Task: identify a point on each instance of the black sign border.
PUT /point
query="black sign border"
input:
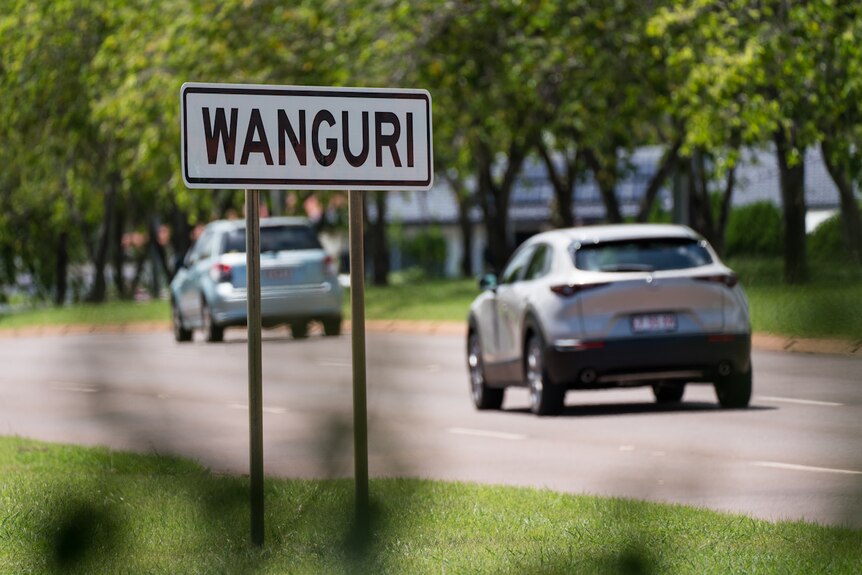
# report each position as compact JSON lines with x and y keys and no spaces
{"x":296,"y":183}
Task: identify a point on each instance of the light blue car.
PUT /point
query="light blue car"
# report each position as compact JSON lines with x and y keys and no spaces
{"x":299,"y":281}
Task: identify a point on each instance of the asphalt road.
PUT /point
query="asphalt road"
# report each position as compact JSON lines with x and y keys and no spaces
{"x":794,"y":454}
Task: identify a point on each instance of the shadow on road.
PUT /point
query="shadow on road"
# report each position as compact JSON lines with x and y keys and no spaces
{"x":641,"y":408}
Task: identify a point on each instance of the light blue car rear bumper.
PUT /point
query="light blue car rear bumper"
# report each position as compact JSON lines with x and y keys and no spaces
{"x":278,"y":305}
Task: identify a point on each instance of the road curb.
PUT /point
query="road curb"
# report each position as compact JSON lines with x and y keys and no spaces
{"x":760,"y":341}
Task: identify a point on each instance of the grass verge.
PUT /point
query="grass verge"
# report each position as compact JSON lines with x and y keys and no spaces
{"x":89,"y":510}
{"x":829,"y":305}
{"x":113,"y":312}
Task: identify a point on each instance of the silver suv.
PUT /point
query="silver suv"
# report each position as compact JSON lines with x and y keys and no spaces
{"x":299,"y":282}
{"x":610,"y":306}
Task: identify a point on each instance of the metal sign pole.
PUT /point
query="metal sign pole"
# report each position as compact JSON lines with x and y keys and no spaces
{"x":255,"y":388}
{"x":357,"y":337}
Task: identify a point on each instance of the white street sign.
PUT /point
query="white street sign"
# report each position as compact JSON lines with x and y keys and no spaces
{"x":297,"y":137}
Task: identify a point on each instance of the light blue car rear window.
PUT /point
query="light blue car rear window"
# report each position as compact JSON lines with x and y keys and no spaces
{"x":639,"y":255}
{"x":273,"y":239}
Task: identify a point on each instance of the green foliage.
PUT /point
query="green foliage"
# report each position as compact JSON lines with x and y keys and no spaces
{"x":426,"y":250}
{"x":90,"y":93}
{"x":826,"y":242}
{"x":754,"y":229}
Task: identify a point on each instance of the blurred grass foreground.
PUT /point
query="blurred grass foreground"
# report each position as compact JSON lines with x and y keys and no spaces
{"x":67,"y":509}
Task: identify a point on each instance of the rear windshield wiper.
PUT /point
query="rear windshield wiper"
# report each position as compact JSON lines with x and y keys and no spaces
{"x":627,"y":268}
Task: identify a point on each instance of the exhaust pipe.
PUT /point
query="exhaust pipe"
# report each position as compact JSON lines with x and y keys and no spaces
{"x":588,"y":376}
{"x":724,"y":368}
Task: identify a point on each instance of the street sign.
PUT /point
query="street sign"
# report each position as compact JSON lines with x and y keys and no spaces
{"x":254,"y":137}
{"x":245,"y":136}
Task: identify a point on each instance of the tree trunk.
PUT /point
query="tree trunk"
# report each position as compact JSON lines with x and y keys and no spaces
{"x":724,"y":216}
{"x":494,"y":199}
{"x":700,"y":204}
{"x":98,"y":292}
{"x":465,"y":226}
{"x":62,"y":269}
{"x":606,"y":178}
{"x":377,"y":236}
{"x":181,"y":239}
{"x":117,"y":230}
{"x":668,"y":163}
{"x":851,"y":226}
{"x":564,"y":182}
{"x":792,"y":181}
{"x":158,"y":249}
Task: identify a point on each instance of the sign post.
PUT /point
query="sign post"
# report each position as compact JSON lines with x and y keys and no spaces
{"x":255,"y":379}
{"x":260,"y":137}
{"x":357,"y":340}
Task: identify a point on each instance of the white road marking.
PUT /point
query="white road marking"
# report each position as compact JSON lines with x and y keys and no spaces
{"x":77,"y":388}
{"x":798,"y":401}
{"x":333,"y":363}
{"x":627,"y":447}
{"x":485,"y":433}
{"x":794,"y":467}
{"x":244,"y":407}
{"x":163,"y":396}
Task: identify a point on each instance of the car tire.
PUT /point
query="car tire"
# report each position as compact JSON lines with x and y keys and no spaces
{"x":484,"y":397}
{"x":181,"y":334}
{"x":299,"y":329}
{"x":668,"y":392}
{"x":332,"y":326}
{"x":546,"y":397}
{"x":213,"y":333}
{"x":734,"y":391}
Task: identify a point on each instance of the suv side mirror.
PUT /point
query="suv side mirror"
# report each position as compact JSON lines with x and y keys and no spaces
{"x":488,"y":282}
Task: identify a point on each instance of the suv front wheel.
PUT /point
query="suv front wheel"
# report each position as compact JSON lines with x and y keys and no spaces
{"x":546,"y":398}
{"x":181,"y":334}
{"x":484,"y":397}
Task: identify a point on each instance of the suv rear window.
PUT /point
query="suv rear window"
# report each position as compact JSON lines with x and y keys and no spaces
{"x":273,"y":239}
{"x":642,"y":255}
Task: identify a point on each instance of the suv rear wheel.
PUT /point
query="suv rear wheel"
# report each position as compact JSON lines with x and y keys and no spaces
{"x":332,"y":326}
{"x":668,"y":392}
{"x":734,"y":390}
{"x":299,"y":329}
{"x":546,"y":398}
{"x":212,"y":332}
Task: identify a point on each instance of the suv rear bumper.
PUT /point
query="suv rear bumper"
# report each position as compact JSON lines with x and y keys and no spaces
{"x":280,"y":305}
{"x":616,"y":363}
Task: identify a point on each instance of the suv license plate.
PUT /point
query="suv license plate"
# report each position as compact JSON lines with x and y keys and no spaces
{"x":654,"y":322}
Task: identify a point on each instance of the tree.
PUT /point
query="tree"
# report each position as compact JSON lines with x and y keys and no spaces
{"x":479,"y":61}
{"x":50,"y":142}
{"x":839,"y":95}
{"x":751,"y":78}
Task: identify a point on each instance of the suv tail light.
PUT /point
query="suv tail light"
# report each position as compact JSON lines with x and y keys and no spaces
{"x":728,"y":280}
{"x":330,"y":266}
{"x":220,"y":273}
{"x":568,"y":290}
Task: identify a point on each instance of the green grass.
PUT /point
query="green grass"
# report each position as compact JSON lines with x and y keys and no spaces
{"x":430,"y":299}
{"x":67,"y":509}
{"x":113,"y":312}
{"x":830,"y":305}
